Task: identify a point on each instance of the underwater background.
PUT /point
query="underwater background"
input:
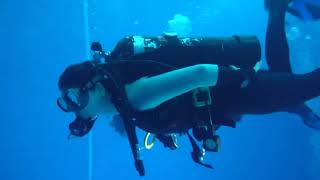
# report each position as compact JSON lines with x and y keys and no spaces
{"x":39,"y":39}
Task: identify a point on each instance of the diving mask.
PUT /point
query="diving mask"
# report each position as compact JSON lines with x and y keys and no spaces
{"x":73,"y":100}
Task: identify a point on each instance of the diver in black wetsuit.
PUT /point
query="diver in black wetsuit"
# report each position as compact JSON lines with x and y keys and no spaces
{"x":90,"y":89}
{"x":277,"y":54}
{"x":167,"y":85}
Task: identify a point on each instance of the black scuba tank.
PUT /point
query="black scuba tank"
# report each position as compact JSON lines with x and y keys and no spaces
{"x":240,"y":51}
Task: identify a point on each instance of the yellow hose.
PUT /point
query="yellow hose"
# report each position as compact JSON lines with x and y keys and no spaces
{"x":146,"y":138}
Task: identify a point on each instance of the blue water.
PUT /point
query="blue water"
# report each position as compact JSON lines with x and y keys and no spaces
{"x":39,"y":38}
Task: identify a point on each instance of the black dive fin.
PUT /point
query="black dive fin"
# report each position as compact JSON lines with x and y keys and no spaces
{"x":294,"y":12}
{"x":314,"y":10}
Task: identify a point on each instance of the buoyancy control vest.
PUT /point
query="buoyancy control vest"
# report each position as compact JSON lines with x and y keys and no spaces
{"x":136,"y":56}
{"x":170,"y":116}
{"x":172,"y":52}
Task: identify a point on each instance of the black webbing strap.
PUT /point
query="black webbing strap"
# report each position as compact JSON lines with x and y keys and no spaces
{"x":132,"y":137}
{"x":196,"y":153}
{"x":119,"y":100}
{"x":133,"y":140}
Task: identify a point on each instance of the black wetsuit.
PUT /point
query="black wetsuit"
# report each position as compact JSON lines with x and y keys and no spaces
{"x":277,"y":48}
{"x":269,"y":92}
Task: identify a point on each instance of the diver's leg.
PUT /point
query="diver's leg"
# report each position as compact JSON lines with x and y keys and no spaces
{"x":269,"y":92}
{"x":314,"y":10}
{"x":277,"y":50}
{"x":308,"y":117}
{"x":305,"y":11}
{"x":294,"y":12}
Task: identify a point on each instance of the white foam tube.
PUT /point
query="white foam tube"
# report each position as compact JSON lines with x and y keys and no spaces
{"x":87,"y":45}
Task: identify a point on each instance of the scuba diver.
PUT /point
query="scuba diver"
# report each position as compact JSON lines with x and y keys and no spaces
{"x":277,"y":52}
{"x":169,"y":85}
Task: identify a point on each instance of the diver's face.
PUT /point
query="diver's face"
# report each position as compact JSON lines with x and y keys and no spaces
{"x":98,"y":102}
{"x":87,"y":104}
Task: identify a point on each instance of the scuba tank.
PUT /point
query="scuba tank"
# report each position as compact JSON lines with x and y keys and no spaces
{"x":239,"y":51}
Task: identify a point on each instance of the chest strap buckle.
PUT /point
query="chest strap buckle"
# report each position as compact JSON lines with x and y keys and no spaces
{"x":201,"y":97}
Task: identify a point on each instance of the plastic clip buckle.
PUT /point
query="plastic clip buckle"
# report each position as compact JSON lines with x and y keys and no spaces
{"x":201,"y":97}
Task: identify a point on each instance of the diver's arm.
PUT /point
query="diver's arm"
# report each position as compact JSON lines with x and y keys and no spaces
{"x":149,"y":92}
